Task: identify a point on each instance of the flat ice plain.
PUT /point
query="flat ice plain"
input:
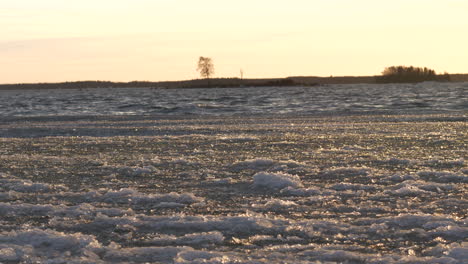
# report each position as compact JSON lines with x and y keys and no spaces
{"x":361,"y":187}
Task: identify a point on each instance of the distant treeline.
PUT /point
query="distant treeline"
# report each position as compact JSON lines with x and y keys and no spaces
{"x":236,"y":82}
{"x":410,"y":74}
{"x":198,"y":83}
{"x":77,"y":85}
{"x":394,"y":74}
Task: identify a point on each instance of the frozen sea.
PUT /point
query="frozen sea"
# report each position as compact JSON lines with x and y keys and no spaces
{"x":332,"y":174}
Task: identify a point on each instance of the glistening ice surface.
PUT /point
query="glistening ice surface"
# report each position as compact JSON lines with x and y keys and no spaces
{"x":311,"y":188}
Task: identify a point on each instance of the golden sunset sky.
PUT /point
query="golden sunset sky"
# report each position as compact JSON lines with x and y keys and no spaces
{"x":157,"y":40}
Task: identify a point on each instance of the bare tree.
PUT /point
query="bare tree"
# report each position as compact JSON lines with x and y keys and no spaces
{"x":205,"y":67}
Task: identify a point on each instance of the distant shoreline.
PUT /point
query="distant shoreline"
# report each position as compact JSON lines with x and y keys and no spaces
{"x":211,"y":83}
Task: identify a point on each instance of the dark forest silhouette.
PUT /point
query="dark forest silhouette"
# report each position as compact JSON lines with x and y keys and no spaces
{"x":393,"y":74}
{"x":410,"y":74}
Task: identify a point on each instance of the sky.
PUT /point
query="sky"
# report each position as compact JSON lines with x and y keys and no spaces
{"x":158,"y":40}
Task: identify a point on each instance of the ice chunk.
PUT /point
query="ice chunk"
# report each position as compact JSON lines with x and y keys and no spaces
{"x":276,"y":205}
{"x":88,"y":210}
{"x":195,"y":239}
{"x":181,"y":225}
{"x":345,"y":172}
{"x":419,"y":187}
{"x":198,"y":256}
{"x":182,"y":161}
{"x":8,"y":183}
{"x":276,"y":181}
{"x":459,"y":253}
{"x":24,"y":209}
{"x":445,"y":163}
{"x":400,"y":178}
{"x":351,"y":186}
{"x":10,"y":254}
{"x":138,"y":171}
{"x":46,"y":244}
{"x":414,"y":220}
{"x":236,"y":137}
{"x":301,"y":191}
{"x":339,"y":256}
{"x":131,"y":196}
{"x":396,"y":161}
{"x":451,"y":232}
{"x":143,"y":254}
{"x":227,"y":180}
{"x":407,"y":190}
{"x":444,"y":176}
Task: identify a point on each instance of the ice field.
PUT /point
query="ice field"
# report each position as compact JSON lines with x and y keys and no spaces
{"x":314,"y":187}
